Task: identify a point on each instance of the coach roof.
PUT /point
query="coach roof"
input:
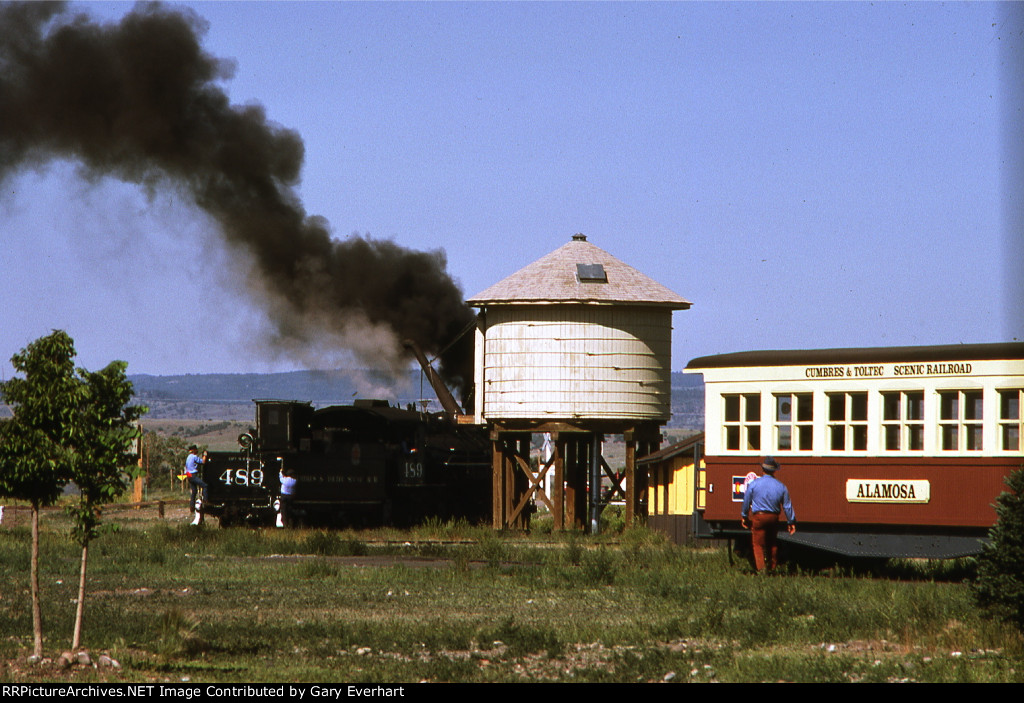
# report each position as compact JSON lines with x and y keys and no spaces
{"x":861,"y":355}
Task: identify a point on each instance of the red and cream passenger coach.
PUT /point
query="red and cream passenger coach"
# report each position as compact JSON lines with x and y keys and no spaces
{"x":897,"y":451}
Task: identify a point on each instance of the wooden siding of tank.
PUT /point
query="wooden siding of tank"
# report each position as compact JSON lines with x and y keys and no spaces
{"x":593,"y":361}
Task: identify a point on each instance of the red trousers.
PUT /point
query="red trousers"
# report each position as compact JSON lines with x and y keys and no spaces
{"x":763,"y":535}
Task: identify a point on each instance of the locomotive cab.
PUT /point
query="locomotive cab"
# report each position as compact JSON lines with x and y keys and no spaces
{"x":282,"y":425}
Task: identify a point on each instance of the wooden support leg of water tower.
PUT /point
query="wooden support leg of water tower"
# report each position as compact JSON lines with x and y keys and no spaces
{"x":557,"y":481}
{"x":576,"y":453}
{"x":508,"y":472}
{"x":497,"y":483}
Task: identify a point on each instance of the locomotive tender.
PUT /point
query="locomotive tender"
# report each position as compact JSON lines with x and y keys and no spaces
{"x":887,"y":452}
{"x":365,"y":464}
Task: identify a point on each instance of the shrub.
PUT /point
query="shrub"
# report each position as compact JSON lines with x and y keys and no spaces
{"x":999,"y":587}
{"x":613,"y":520}
{"x":492,"y":549}
{"x":323,"y":543}
{"x":176,"y":633}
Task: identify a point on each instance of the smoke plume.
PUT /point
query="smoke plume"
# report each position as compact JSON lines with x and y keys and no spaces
{"x":139,"y":101}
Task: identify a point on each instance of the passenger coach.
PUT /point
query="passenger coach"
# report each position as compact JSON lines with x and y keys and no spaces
{"x":897,"y":451}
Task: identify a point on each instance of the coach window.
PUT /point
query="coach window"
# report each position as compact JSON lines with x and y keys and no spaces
{"x":1010,"y":424}
{"x":794,"y":415}
{"x":743,"y":421}
{"x":903,"y":420}
{"x":848,"y":421}
{"x":960,"y":420}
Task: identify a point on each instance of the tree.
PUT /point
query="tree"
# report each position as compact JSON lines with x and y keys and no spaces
{"x":36,"y":445}
{"x":999,"y":587}
{"x":103,"y":465}
{"x":69,"y":426}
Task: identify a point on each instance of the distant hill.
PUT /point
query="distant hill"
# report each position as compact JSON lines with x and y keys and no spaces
{"x":323,"y":386}
{"x":687,"y":401}
{"x":229,"y":396}
{"x":223,"y":396}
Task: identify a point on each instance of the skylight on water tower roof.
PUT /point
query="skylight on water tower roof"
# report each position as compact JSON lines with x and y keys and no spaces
{"x":591,"y":273}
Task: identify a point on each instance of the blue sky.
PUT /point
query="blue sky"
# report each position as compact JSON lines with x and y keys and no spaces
{"x":808,"y":174}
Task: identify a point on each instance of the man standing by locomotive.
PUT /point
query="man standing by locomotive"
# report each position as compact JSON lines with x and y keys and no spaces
{"x":764,"y":499}
{"x":192,"y":464}
{"x":288,"y":482}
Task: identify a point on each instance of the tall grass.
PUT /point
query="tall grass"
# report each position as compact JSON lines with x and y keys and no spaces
{"x":279,"y":605}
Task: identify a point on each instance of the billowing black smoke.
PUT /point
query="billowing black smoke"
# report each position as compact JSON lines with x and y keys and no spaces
{"x":138,"y":101}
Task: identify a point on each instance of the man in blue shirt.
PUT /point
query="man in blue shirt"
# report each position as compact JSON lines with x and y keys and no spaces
{"x":192,"y":464}
{"x":764,"y":499}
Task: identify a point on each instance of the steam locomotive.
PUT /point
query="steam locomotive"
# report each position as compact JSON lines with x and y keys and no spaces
{"x":366,"y":464}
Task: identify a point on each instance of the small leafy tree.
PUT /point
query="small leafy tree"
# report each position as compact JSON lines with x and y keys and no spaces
{"x":36,"y":445}
{"x":103,"y":466}
{"x":68,"y":425}
{"x":999,"y":587}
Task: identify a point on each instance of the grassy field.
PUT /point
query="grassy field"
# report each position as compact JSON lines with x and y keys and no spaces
{"x":221,"y":435}
{"x":176,"y":603}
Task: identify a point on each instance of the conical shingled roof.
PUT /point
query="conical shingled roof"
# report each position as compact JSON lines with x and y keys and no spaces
{"x":555,"y":278}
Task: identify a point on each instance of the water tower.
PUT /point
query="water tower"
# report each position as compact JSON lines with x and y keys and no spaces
{"x":577,"y":345}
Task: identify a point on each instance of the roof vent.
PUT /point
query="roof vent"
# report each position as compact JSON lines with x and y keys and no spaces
{"x":579,"y":237}
{"x":591,"y":273}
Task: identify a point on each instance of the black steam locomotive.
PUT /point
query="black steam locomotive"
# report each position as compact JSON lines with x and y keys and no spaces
{"x":365,"y":464}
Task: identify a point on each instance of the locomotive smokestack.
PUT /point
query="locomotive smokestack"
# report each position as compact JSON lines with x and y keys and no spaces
{"x":139,"y":101}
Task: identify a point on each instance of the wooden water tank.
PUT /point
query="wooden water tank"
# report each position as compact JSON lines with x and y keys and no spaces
{"x":575,"y":335}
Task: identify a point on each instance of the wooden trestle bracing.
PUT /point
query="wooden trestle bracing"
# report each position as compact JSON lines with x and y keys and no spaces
{"x":519,"y":487}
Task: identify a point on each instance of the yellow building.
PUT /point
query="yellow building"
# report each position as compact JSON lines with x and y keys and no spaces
{"x":672,"y":487}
